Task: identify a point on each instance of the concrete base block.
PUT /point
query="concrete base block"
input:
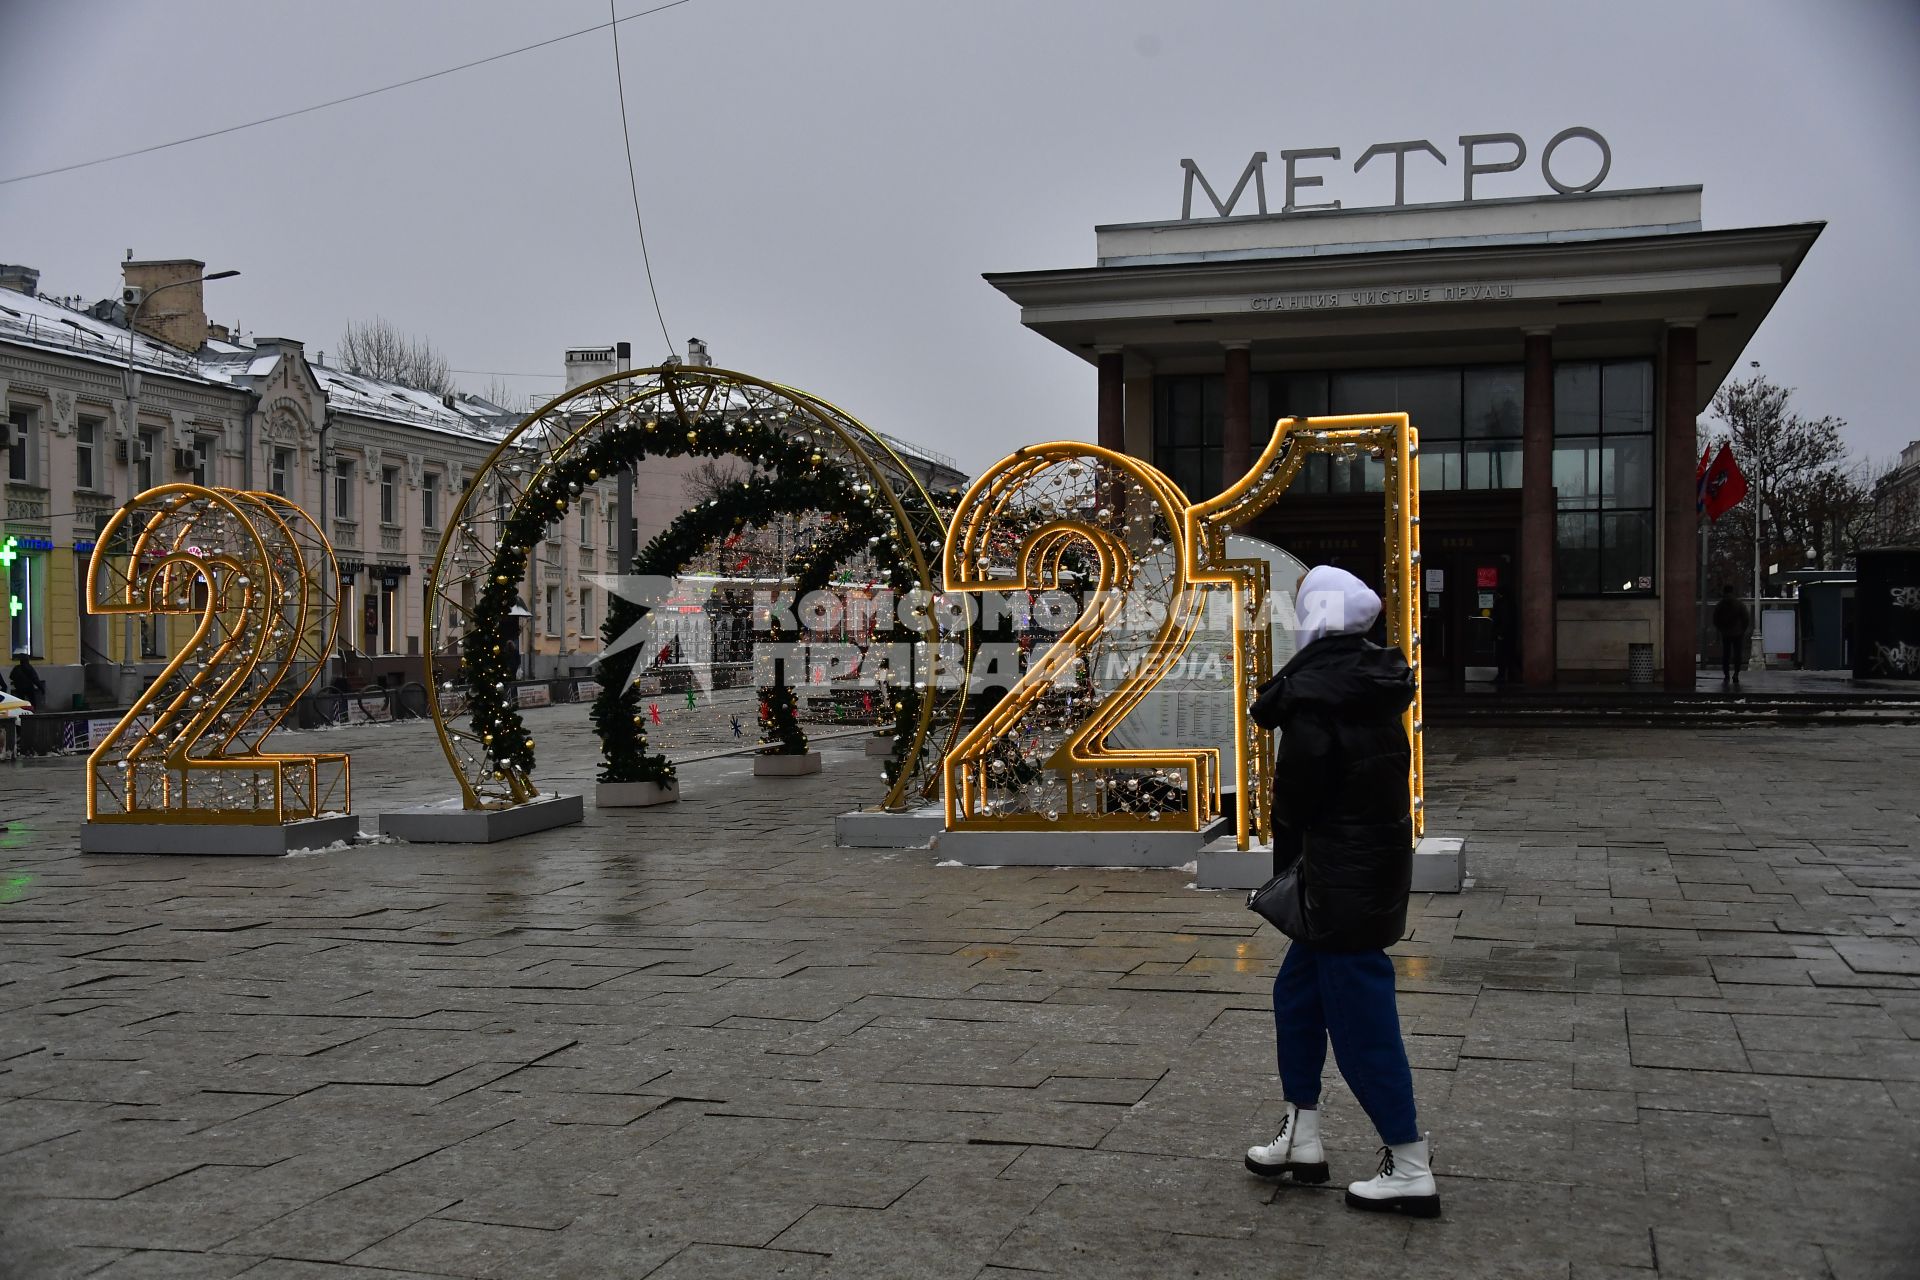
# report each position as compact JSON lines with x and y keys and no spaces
{"x":881,"y":746}
{"x":275,"y":841}
{"x":771,"y":766}
{"x":633,"y":795}
{"x":449,"y":823}
{"x":1076,"y":848}
{"x":877,"y":829}
{"x":1224,"y":865}
{"x":1439,"y":864}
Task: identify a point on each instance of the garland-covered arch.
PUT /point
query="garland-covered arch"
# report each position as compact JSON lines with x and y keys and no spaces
{"x":617,"y":717}
{"x":586,"y":437}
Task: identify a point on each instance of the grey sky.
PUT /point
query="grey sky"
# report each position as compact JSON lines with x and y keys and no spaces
{"x":825,"y":180}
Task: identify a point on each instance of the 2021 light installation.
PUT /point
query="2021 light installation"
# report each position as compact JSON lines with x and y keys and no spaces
{"x":1054,"y":516}
{"x":261,"y":577}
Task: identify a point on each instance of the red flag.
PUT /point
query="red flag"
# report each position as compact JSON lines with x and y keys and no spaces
{"x":1724,"y":485}
{"x":1700,"y":480}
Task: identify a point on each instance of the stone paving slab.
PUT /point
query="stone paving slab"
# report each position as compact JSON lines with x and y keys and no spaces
{"x":1671,"y":1030}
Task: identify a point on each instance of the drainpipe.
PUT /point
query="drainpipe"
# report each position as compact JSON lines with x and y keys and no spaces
{"x":247,"y":424}
{"x":326,"y":531}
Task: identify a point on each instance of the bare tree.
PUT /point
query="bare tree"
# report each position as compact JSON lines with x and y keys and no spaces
{"x":376,"y":349}
{"x":1804,"y":497}
{"x":711,"y":477}
{"x":498,"y":392}
{"x":1828,"y":515}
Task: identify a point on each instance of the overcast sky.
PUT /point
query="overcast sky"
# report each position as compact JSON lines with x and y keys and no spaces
{"x":825,"y":180}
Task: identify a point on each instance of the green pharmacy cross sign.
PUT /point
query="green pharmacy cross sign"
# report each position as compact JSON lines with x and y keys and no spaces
{"x":9,"y":553}
{"x":14,"y":606}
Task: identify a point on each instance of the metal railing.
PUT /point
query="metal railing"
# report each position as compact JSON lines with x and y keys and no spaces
{"x":76,"y":337}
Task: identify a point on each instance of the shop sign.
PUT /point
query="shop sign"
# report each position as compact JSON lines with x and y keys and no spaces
{"x":1475,"y":148}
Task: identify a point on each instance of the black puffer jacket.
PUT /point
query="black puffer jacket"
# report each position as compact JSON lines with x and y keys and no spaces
{"x":1340,"y":788}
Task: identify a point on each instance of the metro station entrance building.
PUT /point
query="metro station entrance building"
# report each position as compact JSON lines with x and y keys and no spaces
{"x":1554,"y":353}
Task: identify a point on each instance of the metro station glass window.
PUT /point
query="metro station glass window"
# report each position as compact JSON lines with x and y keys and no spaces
{"x":1189,"y":427}
{"x":1469,"y":420}
{"x":1603,"y":477}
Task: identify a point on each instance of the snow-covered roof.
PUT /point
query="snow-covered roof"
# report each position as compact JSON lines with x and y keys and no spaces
{"x":53,"y":326}
{"x":44,"y":323}
{"x":373,"y":398}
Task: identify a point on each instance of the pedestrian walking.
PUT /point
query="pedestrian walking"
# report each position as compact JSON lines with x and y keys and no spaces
{"x":1343,"y":864}
{"x":26,"y":681}
{"x":1735,"y":624}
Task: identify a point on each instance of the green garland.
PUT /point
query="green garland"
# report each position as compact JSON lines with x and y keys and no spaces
{"x":752,"y":502}
{"x":803,"y":480}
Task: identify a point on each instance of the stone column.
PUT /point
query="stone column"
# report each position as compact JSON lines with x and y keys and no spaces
{"x":1538,"y":627}
{"x":1679,"y":522}
{"x":1113,"y":433}
{"x":1236,"y":440}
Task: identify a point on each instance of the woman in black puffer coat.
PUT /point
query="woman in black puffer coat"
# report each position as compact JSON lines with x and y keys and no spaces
{"x":1342,"y":814}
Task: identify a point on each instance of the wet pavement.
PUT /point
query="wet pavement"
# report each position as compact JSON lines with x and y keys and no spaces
{"x":1670,"y":1030}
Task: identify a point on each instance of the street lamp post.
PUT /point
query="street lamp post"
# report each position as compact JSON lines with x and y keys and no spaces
{"x":129,"y":684}
{"x":1756,"y":652}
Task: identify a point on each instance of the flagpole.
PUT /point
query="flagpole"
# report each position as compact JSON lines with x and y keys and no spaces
{"x":1700,"y":606}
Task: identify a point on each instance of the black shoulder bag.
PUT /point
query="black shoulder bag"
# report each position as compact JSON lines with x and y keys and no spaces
{"x":1279,"y":902}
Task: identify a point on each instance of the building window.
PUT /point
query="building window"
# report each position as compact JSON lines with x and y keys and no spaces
{"x":143,"y":470}
{"x":389,"y":495}
{"x":586,"y":611}
{"x":613,"y":526}
{"x":1189,"y":422}
{"x":203,"y":458}
{"x":280,"y":471}
{"x":586,"y":522}
{"x":26,"y":599}
{"x":553,"y":610}
{"x":1469,"y":420}
{"x":430,"y":500}
{"x":86,"y":452}
{"x":23,"y":459}
{"x":343,"y":487}
{"x":1603,"y":476}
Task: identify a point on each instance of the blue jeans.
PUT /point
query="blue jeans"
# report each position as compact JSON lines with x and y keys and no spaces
{"x":1346,"y":996}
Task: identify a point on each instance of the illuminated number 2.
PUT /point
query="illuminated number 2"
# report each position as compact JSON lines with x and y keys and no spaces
{"x":1017,"y":529}
{"x":261,"y":578}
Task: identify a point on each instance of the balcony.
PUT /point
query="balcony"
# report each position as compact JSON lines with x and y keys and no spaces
{"x":346,"y":533}
{"x":390,"y":537}
{"x":91,"y":511}
{"x":26,"y":502}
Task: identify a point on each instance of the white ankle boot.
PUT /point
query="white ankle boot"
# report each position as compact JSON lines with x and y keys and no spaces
{"x":1403,"y":1185}
{"x":1295,"y":1150}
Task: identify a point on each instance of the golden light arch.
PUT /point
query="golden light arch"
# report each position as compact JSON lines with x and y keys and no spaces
{"x":691,"y":400}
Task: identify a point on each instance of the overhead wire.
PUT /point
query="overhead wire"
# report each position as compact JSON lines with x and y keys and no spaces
{"x":633,"y":183}
{"x":335,"y":102}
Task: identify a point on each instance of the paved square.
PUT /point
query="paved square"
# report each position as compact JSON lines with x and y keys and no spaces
{"x":1670,"y":1030}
